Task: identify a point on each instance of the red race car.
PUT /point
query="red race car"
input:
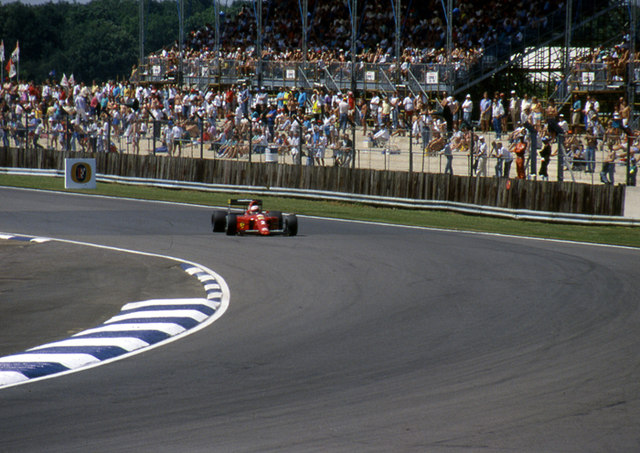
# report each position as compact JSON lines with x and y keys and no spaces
{"x":253,"y":220}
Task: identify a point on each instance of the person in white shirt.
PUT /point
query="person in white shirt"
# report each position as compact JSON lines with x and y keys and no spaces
{"x":562,"y":122}
{"x":497,"y":112}
{"x":343,"y":114}
{"x":261,"y":99}
{"x":176,"y":133}
{"x":294,"y":148}
{"x":321,"y":148}
{"x":507,"y":159}
{"x":525,"y":103}
{"x":481,"y":158}
{"x":374,"y":105}
{"x":407,"y":103}
{"x":514,"y":109}
{"x":467,"y":109}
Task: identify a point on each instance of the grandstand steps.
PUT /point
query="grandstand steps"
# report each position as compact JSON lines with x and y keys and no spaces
{"x":502,"y":56}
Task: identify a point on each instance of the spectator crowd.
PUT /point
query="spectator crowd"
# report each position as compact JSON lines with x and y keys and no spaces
{"x":477,"y":25}
{"x":316,"y":124}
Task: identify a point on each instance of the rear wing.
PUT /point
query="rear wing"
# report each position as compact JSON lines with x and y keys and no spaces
{"x":244,"y":202}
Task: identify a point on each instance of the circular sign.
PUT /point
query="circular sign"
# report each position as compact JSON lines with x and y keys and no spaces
{"x":81,"y":173}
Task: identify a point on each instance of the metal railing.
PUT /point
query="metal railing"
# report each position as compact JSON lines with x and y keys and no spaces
{"x":407,"y":203}
{"x":335,"y":75}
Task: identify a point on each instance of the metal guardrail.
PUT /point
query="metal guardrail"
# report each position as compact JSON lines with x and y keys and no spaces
{"x":407,"y":203}
{"x":338,"y":76}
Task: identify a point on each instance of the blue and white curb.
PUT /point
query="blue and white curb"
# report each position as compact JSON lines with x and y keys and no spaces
{"x":17,"y":237}
{"x":138,"y":327}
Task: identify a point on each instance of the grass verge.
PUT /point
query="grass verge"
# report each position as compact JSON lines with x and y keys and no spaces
{"x":628,"y":236}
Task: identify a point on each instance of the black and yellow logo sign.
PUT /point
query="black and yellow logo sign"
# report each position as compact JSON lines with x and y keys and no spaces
{"x":81,"y":173}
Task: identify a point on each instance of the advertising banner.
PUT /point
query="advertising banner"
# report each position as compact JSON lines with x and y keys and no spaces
{"x":79,"y":174}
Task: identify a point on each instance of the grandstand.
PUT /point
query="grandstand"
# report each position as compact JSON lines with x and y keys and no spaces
{"x":399,"y":43}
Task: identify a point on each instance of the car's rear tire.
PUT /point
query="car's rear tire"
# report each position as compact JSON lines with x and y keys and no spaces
{"x":291,"y":225}
{"x":231,"y":224}
{"x":218,"y":220}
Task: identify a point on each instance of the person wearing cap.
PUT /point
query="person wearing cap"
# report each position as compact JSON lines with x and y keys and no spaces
{"x":467,"y":109}
{"x":563,"y":124}
{"x":447,"y":114}
{"x":374,"y":106}
{"x":481,"y":158}
{"x":261,"y":100}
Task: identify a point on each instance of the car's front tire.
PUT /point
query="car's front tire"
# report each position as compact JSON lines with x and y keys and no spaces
{"x":231,"y":225}
{"x":291,"y":225}
{"x":218,"y":220}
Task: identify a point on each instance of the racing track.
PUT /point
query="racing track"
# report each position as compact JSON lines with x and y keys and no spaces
{"x":350,"y":337}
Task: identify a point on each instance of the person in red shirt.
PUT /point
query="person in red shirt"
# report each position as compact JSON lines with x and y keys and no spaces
{"x":519,"y":149}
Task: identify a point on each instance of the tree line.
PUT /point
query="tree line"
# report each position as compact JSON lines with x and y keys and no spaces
{"x":93,"y":41}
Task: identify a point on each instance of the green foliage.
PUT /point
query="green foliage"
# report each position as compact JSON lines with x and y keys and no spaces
{"x":94,"y":41}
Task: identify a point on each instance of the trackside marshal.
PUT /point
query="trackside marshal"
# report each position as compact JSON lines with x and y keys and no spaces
{"x":79,"y":174}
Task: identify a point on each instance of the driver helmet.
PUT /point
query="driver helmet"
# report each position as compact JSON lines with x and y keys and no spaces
{"x":254,"y":208}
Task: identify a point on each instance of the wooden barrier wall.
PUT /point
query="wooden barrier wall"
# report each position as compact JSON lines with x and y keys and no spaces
{"x":564,"y":197}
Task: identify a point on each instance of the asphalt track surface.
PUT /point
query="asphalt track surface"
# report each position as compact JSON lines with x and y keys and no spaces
{"x":348,"y":337}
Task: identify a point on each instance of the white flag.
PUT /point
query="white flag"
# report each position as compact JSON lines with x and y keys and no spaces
{"x":2,"y":51}
{"x":64,"y":82}
{"x":15,"y":55}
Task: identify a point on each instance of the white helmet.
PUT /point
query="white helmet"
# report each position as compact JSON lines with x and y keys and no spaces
{"x":253,"y":208}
